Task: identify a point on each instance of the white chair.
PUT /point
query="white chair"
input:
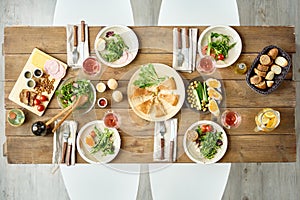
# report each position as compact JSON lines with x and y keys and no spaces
{"x":198,"y":12}
{"x":94,"y":12}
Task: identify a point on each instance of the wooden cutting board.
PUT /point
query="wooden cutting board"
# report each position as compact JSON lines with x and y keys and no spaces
{"x":37,"y":59}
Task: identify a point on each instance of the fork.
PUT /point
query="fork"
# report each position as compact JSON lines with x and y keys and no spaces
{"x":64,"y":147}
{"x":75,"y":51}
{"x":180,"y":56}
{"x":162,"y":130}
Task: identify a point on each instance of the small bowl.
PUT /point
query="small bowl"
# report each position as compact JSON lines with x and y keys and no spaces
{"x":16,"y":117}
{"x":30,"y":83}
{"x":102,"y":102}
{"x":38,"y":73}
{"x":27,"y":74}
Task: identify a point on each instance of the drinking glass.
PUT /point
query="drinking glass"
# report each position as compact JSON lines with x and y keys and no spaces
{"x":112,"y":119}
{"x":206,"y":65}
{"x":267,"y":120}
{"x":231,"y":119}
{"x":91,"y":66}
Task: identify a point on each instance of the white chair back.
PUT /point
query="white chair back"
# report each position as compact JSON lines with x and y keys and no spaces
{"x":198,"y":12}
{"x":94,"y":12}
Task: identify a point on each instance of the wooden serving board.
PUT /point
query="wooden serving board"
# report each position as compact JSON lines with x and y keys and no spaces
{"x":37,"y":59}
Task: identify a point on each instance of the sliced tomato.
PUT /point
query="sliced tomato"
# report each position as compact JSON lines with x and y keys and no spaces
{"x":206,"y":128}
{"x":204,"y":50}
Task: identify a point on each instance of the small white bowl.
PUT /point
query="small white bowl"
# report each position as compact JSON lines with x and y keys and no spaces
{"x":38,"y":73}
{"x":102,"y":102}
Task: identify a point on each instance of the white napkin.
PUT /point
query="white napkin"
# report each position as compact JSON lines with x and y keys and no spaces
{"x":189,"y":53}
{"x":70,"y":46}
{"x":58,"y":141}
{"x":157,"y":138}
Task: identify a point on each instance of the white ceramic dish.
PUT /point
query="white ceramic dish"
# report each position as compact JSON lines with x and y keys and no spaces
{"x":84,"y":149}
{"x":233,"y":53}
{"x":129,"y":38}
{"x":193,"y":151}
{"x":161,"y":70}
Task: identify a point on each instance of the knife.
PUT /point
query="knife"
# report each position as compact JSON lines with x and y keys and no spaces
{"x":69,"y":150}
{"x":186,"y":48}
{"x":172,"y":138}
{"x":82,"y":38}
{"x":162,"y":130}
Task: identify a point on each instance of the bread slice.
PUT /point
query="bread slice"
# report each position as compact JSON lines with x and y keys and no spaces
{"x":137,"y":92}
{"x":255,"y":79}
{"x":273,"y":53}
{"x":145,"y":107}
{"x":159,"y":108}
{"x":265,"y":60}
{"x":270,"y":83}
{"x":260,"y":73}
{"x":170,"y":98}
{"x":168,"y":84}
{"x":263,"y":68}
{"x":276,"y":69}
{"x":281,"y":61}
{"x":262,"y":85}
{"x":270,"y":75}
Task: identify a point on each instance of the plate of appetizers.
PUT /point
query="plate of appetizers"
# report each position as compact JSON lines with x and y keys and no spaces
{"x":97,"y":143}
{"x":156,"y":92}
{"x":205,"y":142}
{"x":37,"y":82}
{"x":221,"y":42}
{"x":116,"y":46}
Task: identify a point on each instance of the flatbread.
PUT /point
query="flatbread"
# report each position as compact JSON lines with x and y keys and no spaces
{"x":170,"y":98}
{"x":159,"y":108}
{"x":145,"y":107}
{"x":168,"y":84}
{"x":138,"y":92}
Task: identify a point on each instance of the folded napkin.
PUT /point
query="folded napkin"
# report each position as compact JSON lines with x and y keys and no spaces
{"x":70,"y":46}
{"x":58,"y":140}
{"x":189,"y":53}
{"x":157,"y":139}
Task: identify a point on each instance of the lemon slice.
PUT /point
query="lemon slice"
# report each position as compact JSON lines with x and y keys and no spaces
{"x":269,"y":114}
{"x":271,"y":123}
{"x":265,"y":119}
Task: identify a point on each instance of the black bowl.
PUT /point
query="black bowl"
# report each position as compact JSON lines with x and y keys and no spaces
{"x":277,"y":78}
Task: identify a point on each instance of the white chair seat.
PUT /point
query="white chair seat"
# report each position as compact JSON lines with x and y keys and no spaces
{"x":94,"y":12}
{"x":198,"y":12}
{"x":189,"y":181}
{"x":91,"y":181}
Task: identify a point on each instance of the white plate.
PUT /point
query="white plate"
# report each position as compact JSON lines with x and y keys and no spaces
{"x":161,"y":70}
{"x":83,"y":148}
{"x":193,"y":151}
{"x":233,"y":53}
{"x":129,"y":38}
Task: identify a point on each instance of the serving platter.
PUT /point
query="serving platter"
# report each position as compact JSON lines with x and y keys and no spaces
{"x":193,"y":152}
{"x":129,"y":38}
{"x":37,"y":60}
{"x":161,"y":70}
{"x":84,"y":149}
{"x":233,"y":54}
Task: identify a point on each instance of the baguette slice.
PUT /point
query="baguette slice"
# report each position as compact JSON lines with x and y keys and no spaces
{"x":255,"y":79}
{"x":273,"y":53}
{"x":260,"y":73}
{"x":262,"y":85}
{"x":281,"y":61}
{"x":270,"y":83}
{"x":265,"y":60}
{"x":276,"y":69}
{"x":270,"y":75}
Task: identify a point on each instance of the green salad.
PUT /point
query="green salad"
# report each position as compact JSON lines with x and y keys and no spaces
{"x":69,"y":92}
{"x":114,"y":47}
{"x":209,"y":140}
{"x":103,"y":142}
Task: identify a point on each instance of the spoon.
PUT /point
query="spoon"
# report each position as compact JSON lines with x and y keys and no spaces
{"x":75,"y":51}
{"x":40,"y":128}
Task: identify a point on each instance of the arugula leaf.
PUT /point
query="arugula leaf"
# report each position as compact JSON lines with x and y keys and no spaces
{"x":219,"y":44}
{"x":148,"y":77}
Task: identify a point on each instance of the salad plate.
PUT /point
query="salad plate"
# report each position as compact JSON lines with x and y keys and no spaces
{"x":116,"y":46}
{"x":193,"y":150}
{"x":234,"y":44}
{"x":71,"y":88}
{"x":110,"y":146}
{"x":156,"y":102}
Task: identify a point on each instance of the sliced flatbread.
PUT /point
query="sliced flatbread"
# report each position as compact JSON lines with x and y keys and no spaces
{"x":138,"y":92}
{"x":170,"y":98}
{"x":168,"y":84}
{"x":159,"y":108}
{"x":145,"y":107}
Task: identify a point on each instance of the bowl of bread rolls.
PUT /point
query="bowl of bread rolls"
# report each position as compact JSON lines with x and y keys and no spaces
{"x":268,"y":69}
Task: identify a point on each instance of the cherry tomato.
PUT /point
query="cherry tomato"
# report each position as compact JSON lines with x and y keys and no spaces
{"x":43,"y":98}
{"x":40,"y":107}
{"x":221,"y":57}
{"x":206,"y":128}
{"x":37,"y":102}
{"x":203,"y":129}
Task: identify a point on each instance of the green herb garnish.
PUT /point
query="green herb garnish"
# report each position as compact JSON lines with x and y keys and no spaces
{"x":218,"y":44}
{"x":104,"y":142}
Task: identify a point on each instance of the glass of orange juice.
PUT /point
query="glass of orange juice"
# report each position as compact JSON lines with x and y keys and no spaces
{"x":267,"y":120}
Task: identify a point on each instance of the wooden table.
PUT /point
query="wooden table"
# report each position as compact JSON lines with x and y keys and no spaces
{"x":245,"y":145}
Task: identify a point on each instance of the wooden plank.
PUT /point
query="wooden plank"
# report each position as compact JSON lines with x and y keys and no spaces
{"x":248,"y":148}
{"x":237,"y":94}
{"x":15,"y":63}
{"x":151,"y":39}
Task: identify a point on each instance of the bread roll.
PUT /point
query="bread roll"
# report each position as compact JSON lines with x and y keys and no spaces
{"x":270,"y":83}
{"x":276,"y":69}
{"x":263,"y":68}
{"x":281,"y":61}
{"x":262,"y":85}
{"x":260,"y":73}
{"x":273,"y":53}
{"x":255,"y":79}
{"x":270,"y":75}
{"x":265,"y":60}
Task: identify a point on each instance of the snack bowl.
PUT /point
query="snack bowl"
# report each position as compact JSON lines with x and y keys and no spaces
{"x":71,"y":88}
{"x":15,"y":117}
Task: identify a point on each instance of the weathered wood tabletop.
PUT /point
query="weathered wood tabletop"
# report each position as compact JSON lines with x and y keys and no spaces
{"x":244,"y":145}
